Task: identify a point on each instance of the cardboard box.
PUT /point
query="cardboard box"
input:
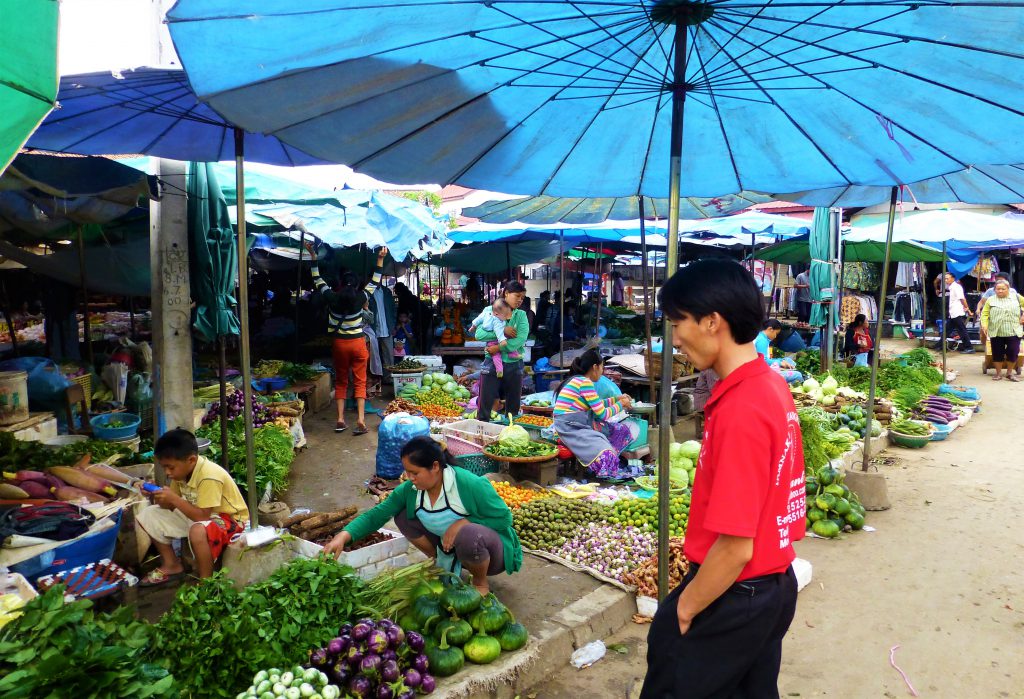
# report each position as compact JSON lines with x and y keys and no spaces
{"x":323,"y":393}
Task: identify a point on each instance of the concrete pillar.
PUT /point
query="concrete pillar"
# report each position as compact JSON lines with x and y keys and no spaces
{"x":172,"y":326}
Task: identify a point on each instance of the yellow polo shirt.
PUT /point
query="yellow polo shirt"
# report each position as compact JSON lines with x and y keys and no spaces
{"x":211,"y":486}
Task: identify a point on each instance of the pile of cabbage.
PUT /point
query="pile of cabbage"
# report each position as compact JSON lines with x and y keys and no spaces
{"x":683,"y":462}
{"x":826,"y":391}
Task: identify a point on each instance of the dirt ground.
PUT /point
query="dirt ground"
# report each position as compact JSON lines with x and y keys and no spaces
{"x":940,"y":578}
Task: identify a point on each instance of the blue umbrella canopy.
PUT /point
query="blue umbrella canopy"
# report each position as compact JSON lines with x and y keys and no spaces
{"x":580,"y":210}
{"x":152,"y":111}
{"x":573,"y":99}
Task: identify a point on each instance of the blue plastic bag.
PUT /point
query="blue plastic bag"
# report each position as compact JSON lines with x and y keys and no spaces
{"x":606,"y":388}
{"x":46,"y":383}
{"x":394,"y":432}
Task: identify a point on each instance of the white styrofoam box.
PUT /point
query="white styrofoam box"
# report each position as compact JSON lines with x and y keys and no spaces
{"x":401,"y":380}
{"x":47,"y":429}
{"x":376,"y":552}
{"x":803,"y":570}
{"x":372,"y":570}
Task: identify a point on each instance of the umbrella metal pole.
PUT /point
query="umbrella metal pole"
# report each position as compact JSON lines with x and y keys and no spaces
{"x":561,"y":300}
{"x":671,"y":264}
{"x":243,"y":333}
{"x":842,"y":280}
{"x":942,"y":302}
{"x":298,"y":291}
{"x":600,"y":293}
{"x":222,"y":365}
{"x":878,"y":329}
{"x":924,"y":303}
{"x":647,"y":300}
{"x":131,"y":317}
{"x":85,"y":299}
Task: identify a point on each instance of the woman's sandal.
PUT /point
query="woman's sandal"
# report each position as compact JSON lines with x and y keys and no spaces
{"x":340,"y":427}
{"x":157,"y":577}
{"x":997,"y":377}
{"x":1011,"y":377}
{"x":360,"y":429}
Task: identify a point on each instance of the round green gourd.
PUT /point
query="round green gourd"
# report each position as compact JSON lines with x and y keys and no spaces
{"x":458,"y":630}
{"x":482,"y":649}
{"x":425,"y":607}
{"x":512,"y":636}
{"x":444,"y":660}
{"x":460,"y":598}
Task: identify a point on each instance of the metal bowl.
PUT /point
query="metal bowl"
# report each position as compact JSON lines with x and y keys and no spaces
{"x":204,"y":444}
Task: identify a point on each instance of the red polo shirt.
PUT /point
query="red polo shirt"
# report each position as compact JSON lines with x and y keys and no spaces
{"x":750,"y":474}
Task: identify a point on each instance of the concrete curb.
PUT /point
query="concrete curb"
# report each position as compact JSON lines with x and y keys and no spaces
{"x":596,"y":616}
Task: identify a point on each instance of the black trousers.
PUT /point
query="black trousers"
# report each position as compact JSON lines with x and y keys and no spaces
{"x":509,"y":387}
{"x":958,"y":326}
{"x":803,"y":311}
{"x":733,"y":648}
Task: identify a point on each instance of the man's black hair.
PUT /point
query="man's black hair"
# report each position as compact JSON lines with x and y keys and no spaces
{"x":716,"y":285}
{"x":176,"y":444}
{"x":771,"y":324}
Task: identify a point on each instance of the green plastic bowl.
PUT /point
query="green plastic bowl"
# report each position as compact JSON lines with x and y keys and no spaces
{"x":911,"y":441}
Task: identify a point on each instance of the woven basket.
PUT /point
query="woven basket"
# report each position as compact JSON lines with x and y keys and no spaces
{"x":85,"y":381}
{"x":680,"y":365}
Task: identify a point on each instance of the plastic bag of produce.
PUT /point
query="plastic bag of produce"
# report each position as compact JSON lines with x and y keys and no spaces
{"x":394,"y":432}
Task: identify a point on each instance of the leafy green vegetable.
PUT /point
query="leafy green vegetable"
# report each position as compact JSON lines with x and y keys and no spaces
{"x":514,"y":436}
{"x":521,"y":451}
{"x":16,"y":454}
{"x":67,"y":650}
{"x":273,"y":452}
{"x":817,"y":449}
{"x":219,"y":637}
{"x":893,"y":376}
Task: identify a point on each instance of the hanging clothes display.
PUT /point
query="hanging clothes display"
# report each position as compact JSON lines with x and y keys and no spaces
{"x":986,"y":269}
{"x":862,"y":276}
{"x":907,"y":275}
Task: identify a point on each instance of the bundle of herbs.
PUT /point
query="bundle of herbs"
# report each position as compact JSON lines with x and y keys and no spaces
{"x":273,"y":447}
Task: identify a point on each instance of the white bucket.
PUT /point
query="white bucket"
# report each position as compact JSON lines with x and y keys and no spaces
{"x":13,"y":397}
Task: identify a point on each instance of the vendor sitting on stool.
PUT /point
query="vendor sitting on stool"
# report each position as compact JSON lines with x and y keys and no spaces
{"x":448,"y":513}
{"x":762,"y":343}
{"x":582,"y":419}
{"x":201,"y":503}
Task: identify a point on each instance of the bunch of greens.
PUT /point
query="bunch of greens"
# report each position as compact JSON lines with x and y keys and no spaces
{"x":893,"y":375}
{"x":67,"y":650}
{"x":16,"y":454}
{"x":219,"y":637}
{"x":296,"y":373}
{"x":521,"y":450}
{"x":818,"y":451}
{"x":906,"y":398}
{"x":809,"y":363}
{"x":918,"y":357}
{"x":273,"y":452}
{"x":858,"y":378}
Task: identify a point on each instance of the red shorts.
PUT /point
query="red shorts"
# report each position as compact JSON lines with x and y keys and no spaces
{"x":219,"y":530}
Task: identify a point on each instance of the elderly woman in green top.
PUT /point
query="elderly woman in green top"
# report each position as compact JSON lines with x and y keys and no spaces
{"x":510,"y":384}
{"x":1001,"y":318}
{"x":448,"y":513}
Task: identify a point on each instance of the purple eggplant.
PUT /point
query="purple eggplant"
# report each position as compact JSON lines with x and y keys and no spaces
{"x":407,"y":694}
{"x":384,"y":623}
{"x":360,"y":631}
{"x":336,"y":646}
{"x":360,"y":687}
{"x":415,"y":641}
{"x":318,"y":658}
{"x":421,"y":663}
{"x":340,"y":672}
{"x":389,"y":654}
{"x":389,"y":671}
{"x":377,"y":641}
{"x":384,"y":691}
{"x":428,"y":685}
{"x":368,"y":621}
{"x":395,"y":636}
{"x":354,"y":656}
{"x":412,"y":677}
{"x":345,"y":629}
{"x":369,"y":666}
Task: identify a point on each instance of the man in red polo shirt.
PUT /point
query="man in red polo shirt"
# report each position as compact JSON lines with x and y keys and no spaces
{"x":719,"y":634}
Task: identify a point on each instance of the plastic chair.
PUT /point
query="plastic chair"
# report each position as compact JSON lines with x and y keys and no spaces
{"x":74,"y":395}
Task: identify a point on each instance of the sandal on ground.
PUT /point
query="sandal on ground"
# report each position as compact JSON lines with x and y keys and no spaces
{"x":340,"y":427}
{"x":158,"y":577}
{"x":997,"y":377}
{"x":1011,"y":377}
{"x":360,"y":429}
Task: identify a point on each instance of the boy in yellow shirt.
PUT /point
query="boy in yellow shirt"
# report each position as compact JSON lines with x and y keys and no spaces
{"x":202,"y":503}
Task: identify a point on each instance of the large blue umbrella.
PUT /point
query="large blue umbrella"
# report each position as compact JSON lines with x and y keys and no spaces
{"x":580,"y":210}
{"x":587,"y":98}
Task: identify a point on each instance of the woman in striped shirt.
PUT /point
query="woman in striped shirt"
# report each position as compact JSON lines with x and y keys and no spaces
{"x":345,"y":325}
{"x":588,"y":425}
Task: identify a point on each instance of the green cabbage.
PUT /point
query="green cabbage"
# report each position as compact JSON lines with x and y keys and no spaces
{"x":514,"y":436}
{"x":690,"y":449}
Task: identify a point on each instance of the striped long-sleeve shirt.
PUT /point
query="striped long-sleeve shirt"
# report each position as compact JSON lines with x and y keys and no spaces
{"x":580,"y":395}
{"x":339,"y":323}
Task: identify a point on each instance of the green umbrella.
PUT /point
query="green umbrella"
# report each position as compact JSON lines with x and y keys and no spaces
{"x":821,"y":268}
{"x":28,"y":70}
{"x":213,"y":276}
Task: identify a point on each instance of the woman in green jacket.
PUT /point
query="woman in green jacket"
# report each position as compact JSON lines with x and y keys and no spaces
{"x":448,"y":513}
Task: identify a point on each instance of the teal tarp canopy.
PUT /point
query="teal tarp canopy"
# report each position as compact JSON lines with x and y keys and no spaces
{"x":820,"y":273}
{"x":798,"y":251}
{"x":213,"y":247}
{"x":488,"y":258}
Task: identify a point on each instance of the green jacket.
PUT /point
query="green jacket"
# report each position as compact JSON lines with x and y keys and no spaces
{"x":518,"y":321}
{"x":481,"y":502}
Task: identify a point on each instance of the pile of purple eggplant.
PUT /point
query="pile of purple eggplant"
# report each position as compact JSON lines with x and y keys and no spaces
{"x":938,"y":410}
{"x":376,"y":660}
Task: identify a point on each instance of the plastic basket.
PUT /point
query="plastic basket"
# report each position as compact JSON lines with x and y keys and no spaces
{"x":473,"y":431}
{"x":461,"y":447}
{"x":478,"y":464}
{"x":102,"y":431}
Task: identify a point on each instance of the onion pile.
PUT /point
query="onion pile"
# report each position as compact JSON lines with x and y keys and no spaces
{"x":613,"y":551}
{"x":261,"y":414}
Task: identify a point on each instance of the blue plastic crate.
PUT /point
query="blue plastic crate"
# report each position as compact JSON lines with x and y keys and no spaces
{"x":80,"y":552}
